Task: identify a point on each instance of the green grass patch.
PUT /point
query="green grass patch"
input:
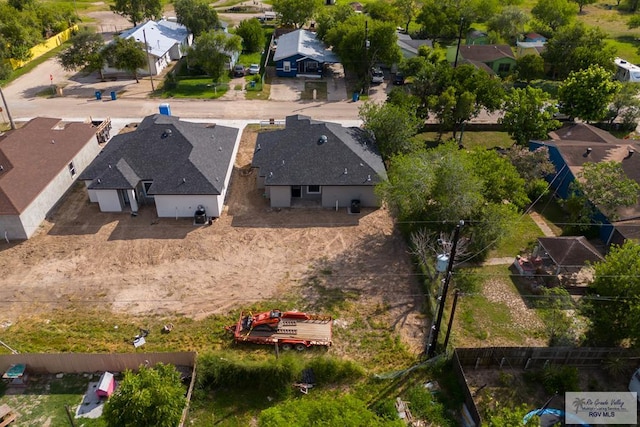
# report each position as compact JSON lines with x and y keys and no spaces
{"x":549,"y":208}
{"x":470,"y":139}
{"x":522,"y":235}
{"x":200,"y":88}
{"x":44,"y":399}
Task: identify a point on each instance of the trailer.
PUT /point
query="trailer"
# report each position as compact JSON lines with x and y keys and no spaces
{"x":287,"y":329}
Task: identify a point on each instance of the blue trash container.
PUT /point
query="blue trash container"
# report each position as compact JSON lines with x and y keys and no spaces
{"x":355,"y":97}
{"x":165,"y":109}
{"x":98,"y":95}
{"x":113,"y":96}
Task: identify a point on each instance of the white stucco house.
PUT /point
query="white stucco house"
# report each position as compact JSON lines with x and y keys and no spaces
{"x":166,"y":164}
{"x":39,"y":162}
{"x":314,"y":162}
{"x":166,"y":41}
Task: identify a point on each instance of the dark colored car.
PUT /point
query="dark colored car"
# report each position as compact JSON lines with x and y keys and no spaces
{"x":238,"y":70}
{"x":398,"y":79}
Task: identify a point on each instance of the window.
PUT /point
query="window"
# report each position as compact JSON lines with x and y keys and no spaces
{"x":286,"y":66}
{"x":504,"y":68}
{"x":312,"y":66}
{"x":313,"y":189}
{"x":146,"y":185}
{"x":72,"y":169}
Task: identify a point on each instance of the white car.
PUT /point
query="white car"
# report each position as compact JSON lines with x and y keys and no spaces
{"x":377,"y":76}
{"x":254,"y":69}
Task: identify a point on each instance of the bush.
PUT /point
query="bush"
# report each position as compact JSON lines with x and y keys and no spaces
{"x":329,"y":370}
{"x":558,"y":379}
{"x":424,"y":405}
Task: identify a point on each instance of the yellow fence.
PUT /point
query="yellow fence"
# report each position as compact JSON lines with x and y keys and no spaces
{"x":44,"y":47}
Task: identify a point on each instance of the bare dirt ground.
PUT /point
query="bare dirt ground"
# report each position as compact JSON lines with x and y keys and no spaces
{"x":146,"y":265}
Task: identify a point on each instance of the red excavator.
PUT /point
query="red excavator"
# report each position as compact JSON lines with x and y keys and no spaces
{"x":270,"y":320}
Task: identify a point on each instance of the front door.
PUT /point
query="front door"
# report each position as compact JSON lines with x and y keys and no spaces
{"x":296,"y":191}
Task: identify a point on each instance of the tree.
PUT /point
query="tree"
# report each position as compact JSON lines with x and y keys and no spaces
{"x":529,"y":67}
{"x":606,"y":185}
{"x":509,"y":23}
{"x":382,"y":11}
{"x":407,"y":10}
{"x":582,"y":3}
{"x":84,"y":53}
{"x":612,"y":303}
{"x":441,"y":20}
{"x":296,"y":12}
{"x":137,"y":11}
{"x":126,"y":54}
{"x":348,"y":41}
{"x":533,"y":166}
{"x":626,"y":104}
{"x":435,"y":187}
{"x":587,"y":94}
{"x":576,"y":47}
{"x":528,"y":115}
{"x":197,"y":15}
{"x":392,"y":127}
{"x":211,"y":52}
{"x":344,"y":411}
{"x":329,"y":18}
{"x":252,"y":35}
{"x":151,"y":397}
{"x":554,"y":14}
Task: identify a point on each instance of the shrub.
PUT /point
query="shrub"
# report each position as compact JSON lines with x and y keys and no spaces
{"x":329,"y":370}
{"x":558,"y":379}
{"x":426,"y":406}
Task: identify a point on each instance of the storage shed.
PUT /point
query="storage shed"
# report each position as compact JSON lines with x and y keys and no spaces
{"x":106,"y":385}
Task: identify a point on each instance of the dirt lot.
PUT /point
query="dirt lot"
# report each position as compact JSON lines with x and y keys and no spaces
{"x":145,"y":265}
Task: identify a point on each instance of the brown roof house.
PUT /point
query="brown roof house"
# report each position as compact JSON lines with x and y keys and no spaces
{"x":38,"y":163}
{"x":493,"y":58}
{"x":571,"y":147}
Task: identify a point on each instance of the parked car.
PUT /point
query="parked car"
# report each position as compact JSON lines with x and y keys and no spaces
{"x":377,"y":76}
{"x":398,"y":79}
{"x":254,"y":69}
{"x":238,"y":70}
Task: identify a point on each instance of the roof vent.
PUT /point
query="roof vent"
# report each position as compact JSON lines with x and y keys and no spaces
{"x":345,"y":171}
{"x":99,"y":181}
{"x":270,"y":174}
{"x":1,"y":168}
{"x":630,"y":152}
{"x":167,"y":133}
{"x":322,"y":139}
{"x":184,"y":180}
{"x":368,"y":178}
{"x":53,"y":141}
{"x":589,"y":150}
{"x":258,"y":147}
{"x":219,"y":148}
{"x":282,"y":162}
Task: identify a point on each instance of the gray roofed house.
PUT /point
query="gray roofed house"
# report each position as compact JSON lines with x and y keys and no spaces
{"x":300,"y":53}
{"x":409,"y":46}
{"x":166,"y":40}
{"x":173,"y":164}
{"x":319,"y":163}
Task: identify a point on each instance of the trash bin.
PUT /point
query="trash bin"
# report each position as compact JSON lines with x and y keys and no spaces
{"x":252,"y":84}
{"x":355,"y":206}
{"x":355,"y":97}
{"x":165,"y":109}
{"x":113,"y":96}
{"x":98,"y":95}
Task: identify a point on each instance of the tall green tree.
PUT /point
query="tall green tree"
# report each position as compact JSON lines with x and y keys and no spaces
{"x":577,"y":47}
{"x":126,"y":54}
{"x":296,"y":13}
{"x":407,"y":10}
{"x":84,"y":53}
{"x":252,"y":35}
{"x":151,"y":397}
{"x":349,"y":41}
{"x":211,"y":51}
{"x":553,"y":14}
{"x":197,"y":15}
{"x":529,"y":67}
{"x":607,"y":186}
{"x":626,"y":105}
{"x":528,"y":115}
{"x":586,"y":94}
{"x":582,"y":3}
{"x":330,"y":17}
{"x":441,"y":20}
{"x":392,"y":126}
{"x":136,"y":11}
{"x":612,"y":304}
{"x":533,"y":167}
{"x":509,"y":23}
{"x":382,"y":11}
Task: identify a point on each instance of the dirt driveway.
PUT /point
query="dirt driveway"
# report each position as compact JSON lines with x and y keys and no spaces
{"x":145,"y":265}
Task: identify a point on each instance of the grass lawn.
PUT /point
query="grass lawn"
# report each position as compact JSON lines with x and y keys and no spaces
{"x":471,"y":139}
{"x":200,"y":88}
{"x":320,"y":89}
{"x":522,"y":236}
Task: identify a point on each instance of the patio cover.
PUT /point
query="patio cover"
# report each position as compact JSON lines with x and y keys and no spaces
{"x":570,"y":252}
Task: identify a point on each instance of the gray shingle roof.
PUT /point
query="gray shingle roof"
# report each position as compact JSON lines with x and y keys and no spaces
{"x":298,"y":155}
{"x":303,"y":42}
{"x":179,"y":157}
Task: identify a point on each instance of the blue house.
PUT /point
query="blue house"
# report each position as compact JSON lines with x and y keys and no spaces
{"x":300,"y":54}
{"x":574,"y":145}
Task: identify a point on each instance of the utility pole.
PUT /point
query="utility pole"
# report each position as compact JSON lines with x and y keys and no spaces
{"x":455,"y":63}
{"x":146,"y":47}
{"x":431,"y":346}
{"x":456,"y":294}
{"x":366,"y":55}
{"x":6,"y":107}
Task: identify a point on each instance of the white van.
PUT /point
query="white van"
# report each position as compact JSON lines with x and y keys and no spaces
{"x":626,"y":71}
